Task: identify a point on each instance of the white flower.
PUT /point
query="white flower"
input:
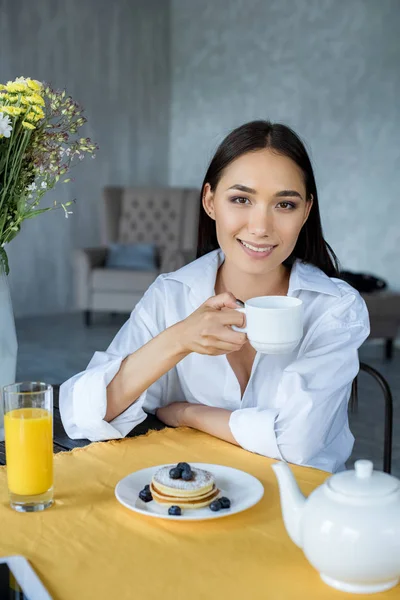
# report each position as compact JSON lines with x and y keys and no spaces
{"x":43,"y":185}
{"x":5,"y":125}
{"x":31,"y":188}
{"x":66,"y":212}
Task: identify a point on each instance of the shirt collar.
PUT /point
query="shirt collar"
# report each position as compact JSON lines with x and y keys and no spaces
{"x":200,"y":277}
{"x":305,"y":276}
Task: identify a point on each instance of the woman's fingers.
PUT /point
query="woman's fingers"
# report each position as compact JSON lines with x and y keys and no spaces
{"x":232,"y":317}
{"x":225,"y":300}
{"x":220,"y":347}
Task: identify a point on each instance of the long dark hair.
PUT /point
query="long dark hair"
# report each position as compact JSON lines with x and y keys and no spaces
{"x":311,"y":246}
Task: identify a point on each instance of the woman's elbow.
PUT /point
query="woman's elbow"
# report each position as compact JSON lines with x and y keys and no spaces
{"x":300,"y":454}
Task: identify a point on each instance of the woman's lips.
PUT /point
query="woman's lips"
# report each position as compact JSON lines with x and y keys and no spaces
{"x":257,"y":254}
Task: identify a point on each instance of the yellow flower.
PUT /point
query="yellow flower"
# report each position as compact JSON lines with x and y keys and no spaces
{"x":27,"y":125}
{"x":35,"y":99}
{"x":14,"y":88}
{"x":2,"y":86}
{"x":34,"y":85}
{"x":12,"y":98}
{"x":14,"y":111}
{"x":33,"y":117}
{"x":36,"y":109}
{"x":30,"y":116}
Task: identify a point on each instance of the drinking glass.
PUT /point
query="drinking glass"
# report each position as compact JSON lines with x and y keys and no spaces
{"x":28,"y":425}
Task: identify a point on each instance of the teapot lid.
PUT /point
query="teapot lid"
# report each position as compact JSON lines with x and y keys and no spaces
{"x":363,"y":481}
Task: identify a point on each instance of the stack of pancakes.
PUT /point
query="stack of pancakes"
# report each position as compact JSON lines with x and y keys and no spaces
{"x":200,"y":491}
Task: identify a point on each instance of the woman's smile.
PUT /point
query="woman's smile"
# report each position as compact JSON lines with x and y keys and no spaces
{"x":256,"y":251}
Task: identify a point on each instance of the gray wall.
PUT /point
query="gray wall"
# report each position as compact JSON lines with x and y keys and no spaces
{"x":329,"y":69}
{"x":112,"y":57}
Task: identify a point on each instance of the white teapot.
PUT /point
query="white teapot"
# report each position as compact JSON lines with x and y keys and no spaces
{"x":348,"y":528}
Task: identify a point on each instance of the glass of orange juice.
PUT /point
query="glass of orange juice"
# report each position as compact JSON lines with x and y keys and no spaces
{"x":28,"y":426}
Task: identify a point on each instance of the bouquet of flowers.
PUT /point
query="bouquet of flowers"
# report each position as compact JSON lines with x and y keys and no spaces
{"x":38,"y":146}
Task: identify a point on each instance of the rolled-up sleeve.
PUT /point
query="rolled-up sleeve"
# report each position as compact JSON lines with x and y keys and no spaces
{"x":311,"y":425}
{"x":83,"y":398}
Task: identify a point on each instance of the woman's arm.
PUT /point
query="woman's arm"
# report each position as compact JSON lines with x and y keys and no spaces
{"x":207,"y":331}
{"x":106,"y":400}
{"x":209,"y":419}
{"x":310,"y":426}
{"x":141,"y":369}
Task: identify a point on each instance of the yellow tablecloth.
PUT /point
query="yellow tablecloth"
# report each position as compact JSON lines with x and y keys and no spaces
{"x":88,"y":546}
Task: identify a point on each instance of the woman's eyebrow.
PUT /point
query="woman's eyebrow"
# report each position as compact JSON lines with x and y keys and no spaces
{"x":242,"y":188}
{"x":288,"y":193}
{"x":281,"y":194}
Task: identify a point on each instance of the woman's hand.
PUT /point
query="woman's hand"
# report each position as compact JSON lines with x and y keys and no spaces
{"x":208,"y":329}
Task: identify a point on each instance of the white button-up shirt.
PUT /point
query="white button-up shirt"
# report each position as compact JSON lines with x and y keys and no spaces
{"x":294,"y":407}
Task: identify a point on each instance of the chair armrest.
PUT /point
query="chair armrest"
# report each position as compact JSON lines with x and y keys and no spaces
{"x":94,"y":257}
{"x":84,"y":260}
{"x":173,"y":260}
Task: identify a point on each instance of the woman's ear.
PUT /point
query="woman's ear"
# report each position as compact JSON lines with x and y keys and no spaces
{"x":309,"y":204}
{"x":208,"y":200}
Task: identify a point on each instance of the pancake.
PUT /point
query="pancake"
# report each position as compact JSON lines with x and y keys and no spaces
{"x":202,"y":483}
{"x":186,"y":502}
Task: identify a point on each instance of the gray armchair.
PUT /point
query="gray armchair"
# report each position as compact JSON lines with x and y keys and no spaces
{"x":166,"y":217}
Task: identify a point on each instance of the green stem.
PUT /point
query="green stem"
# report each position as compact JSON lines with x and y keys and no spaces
{"x":4,"y":260}
{"x":12,"y":176}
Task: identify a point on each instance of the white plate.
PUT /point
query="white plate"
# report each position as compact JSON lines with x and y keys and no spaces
{"x":242,"y":489}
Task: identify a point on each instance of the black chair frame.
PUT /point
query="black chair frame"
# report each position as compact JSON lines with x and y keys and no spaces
{"x":387,"y":394}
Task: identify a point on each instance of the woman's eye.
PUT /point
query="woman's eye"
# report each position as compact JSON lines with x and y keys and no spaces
{"x":239,"y":200}
{"x":287,"y":205}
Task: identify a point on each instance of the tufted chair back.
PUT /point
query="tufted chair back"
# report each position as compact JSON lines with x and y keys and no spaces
{"x":167,"y":217}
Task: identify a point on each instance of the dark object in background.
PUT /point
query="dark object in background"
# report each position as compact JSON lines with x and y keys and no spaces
{"x":363,"y":282}
{"x":387,"y":394}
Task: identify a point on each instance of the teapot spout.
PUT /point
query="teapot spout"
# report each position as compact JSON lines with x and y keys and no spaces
{"x":292,"y":501}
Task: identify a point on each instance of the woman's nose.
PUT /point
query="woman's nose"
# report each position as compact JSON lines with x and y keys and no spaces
{"x":260,"y":223}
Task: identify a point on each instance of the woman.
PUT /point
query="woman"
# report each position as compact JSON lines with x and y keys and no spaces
{"x":177,"y":356}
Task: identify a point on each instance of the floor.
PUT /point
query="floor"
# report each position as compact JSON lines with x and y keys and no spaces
{"x":52,"y":349}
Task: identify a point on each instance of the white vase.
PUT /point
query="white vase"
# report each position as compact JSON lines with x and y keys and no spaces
{"x":8,"y":341}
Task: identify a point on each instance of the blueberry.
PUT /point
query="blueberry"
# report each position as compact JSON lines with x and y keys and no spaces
{"x":184,"y":466}
{"x":145,"y":495}
{"x":147,"y":487}
{"x":215,"y":505}
{"x":175,"y":511}
{"x":175,"y":473}
{"x":187,"y":475}
{"x":225,"y":502}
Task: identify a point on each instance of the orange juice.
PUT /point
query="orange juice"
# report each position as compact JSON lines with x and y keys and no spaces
{"x":29,"y":450}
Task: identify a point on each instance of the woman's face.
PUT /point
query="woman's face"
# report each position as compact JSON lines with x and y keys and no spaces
{"x":259,"y":207}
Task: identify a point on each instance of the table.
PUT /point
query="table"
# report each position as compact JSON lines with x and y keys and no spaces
{"x":89,"y":546}
{"x":63,"y":442}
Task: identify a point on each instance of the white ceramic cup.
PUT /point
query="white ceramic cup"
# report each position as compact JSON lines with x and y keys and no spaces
{"x":274,"y":324}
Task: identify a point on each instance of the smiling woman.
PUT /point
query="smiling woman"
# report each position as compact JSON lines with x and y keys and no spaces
{"x":180,"y":355}
{"x":269,"y":163}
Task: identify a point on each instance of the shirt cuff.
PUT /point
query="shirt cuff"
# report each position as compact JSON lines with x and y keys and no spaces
{"x":254,"y":430}
{"x":89,"y":399}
